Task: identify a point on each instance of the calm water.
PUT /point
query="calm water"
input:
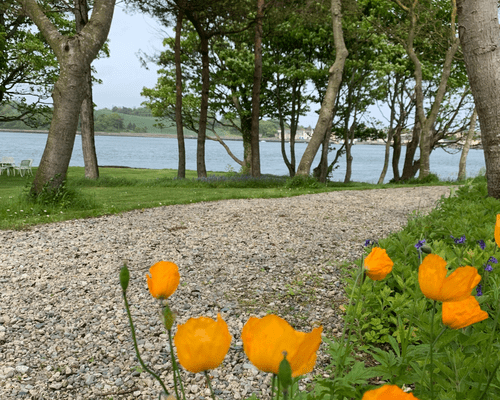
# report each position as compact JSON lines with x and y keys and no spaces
{"x":160,"y":153}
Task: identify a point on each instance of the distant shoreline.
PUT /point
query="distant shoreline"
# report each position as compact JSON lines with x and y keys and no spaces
{"x":170,"y":136}
{"x":147,"y":134}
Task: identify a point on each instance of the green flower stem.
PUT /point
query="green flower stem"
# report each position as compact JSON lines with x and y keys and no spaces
{"x":489,"y":381}
{"x":209,"y":384}
{"x":431,"y":350}
{"x":490,"y":345}
{"x":360,"y":277}
{"x":175,"y":367}
{"x":273,"y":385}
{"x":137,"y":348}
{"x":439,"y":335}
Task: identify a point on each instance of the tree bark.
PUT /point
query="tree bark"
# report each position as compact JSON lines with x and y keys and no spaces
{"x":462,"y":165}
{"x":479,"y":36}
{"x":389,"y":132}
{"x":327,"y":107}
{"x":181,"y":168}
{"x":74,"y":55}
{"x":87,"y":108}
{"x":257,"y":78}
{"x":205,"y":88}
{"x":87,"y":132}
{"x":410,"y":167}
{"x":396,"y":153}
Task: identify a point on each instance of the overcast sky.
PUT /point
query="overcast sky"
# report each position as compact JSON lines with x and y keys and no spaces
{"x":122,"y":74}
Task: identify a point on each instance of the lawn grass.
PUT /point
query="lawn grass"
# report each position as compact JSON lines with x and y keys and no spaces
{"x":124,"y":189}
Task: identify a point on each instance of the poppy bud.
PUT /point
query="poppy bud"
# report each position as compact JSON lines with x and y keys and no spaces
{"x":285,"y":372}
{"x":124,"y":277}
{"x":168,"y":318}
{"x":426,"y":249}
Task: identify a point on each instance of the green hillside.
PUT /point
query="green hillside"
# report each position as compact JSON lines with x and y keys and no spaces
{"x":140,"y":123}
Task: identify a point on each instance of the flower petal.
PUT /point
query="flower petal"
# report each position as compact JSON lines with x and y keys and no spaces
{"x":387,"y":392}
{"x":459,"y":285}
{"x":164,"y":279}
{"x":265,"y":339}
{"x":431,"y":275}
{"x":497,"y":231}
{"x":377,"y":264}
{"x":459,"y":314}
{"x":202,"y":343}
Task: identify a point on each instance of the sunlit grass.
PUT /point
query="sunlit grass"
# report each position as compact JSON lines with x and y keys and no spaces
{"x":124,"y":189}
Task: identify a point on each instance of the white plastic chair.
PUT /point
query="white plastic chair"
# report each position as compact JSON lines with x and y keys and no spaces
{"x":25,"y":167}
{"x":7,"y":163}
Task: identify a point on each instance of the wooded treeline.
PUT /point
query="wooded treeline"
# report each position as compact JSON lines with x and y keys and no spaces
{"x":236,"y":63}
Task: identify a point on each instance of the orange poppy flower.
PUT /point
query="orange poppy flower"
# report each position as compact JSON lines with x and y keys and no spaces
{"x":164,"y":279}
{"x":377,"y":264}
{"x":202,"y":343}
{"x":436,"y":286}
{"x":497,"y":231}
{"x":265,"y":340}
{"x":387,"y":392}
{"x":459,"y":314}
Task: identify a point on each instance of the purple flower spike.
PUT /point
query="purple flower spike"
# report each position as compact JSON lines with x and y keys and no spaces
{"x":368,"y":242}
{"x":459,"y":240}
{"x":488,"y":268}
{"x":492,"y":260}
{"x":481,"y":244}
{"x":420,"y":244}
{"x":479,"y":290}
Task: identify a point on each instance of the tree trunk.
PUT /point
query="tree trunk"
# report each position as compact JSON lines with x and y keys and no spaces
{"x":334,"y":81}
{"x":87,"y":131}
{"x":257,"y":77}
{"x":246,"y":133}
{"x":410,"y":167}
{"x":349,"y":140}
{"x":205,"y":88}
{"x":323,"y":170}
{"x":427,"y":122}
{"x":390,"y":132}
{"x":479,"y":35}
{"x":181,"y":168}
{"x":81,"y":12}
{"x":74,"y":55}
{"x":462,"y":170}
{"x":396,"y":153}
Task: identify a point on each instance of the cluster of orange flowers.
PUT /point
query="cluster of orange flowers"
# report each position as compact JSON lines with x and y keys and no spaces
{"x":460,"y":308}
{"x":202,"y":343}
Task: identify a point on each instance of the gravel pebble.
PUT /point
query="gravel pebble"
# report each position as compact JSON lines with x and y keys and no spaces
{"x":64,"y":333}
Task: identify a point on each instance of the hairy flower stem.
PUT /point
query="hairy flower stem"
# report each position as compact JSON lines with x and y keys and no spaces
{"x":209,"y":384}
{"x":489,"y":380}
{"x":175,"y":367}
{"x":132,"y":329}
{"x":489,"y":351}
{"x":431,"y":350}
{"x":343,"y":354}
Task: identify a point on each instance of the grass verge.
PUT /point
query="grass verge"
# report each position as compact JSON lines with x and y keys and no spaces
{"x":124,"y":189}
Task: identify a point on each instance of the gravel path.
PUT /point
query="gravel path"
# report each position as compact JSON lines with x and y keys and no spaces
{"x":63,"y":328}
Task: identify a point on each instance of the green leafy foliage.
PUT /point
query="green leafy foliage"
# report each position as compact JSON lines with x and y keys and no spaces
{"x":391,"y":321}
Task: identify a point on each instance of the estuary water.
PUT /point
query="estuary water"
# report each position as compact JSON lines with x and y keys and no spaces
{"x":161,"y":153}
